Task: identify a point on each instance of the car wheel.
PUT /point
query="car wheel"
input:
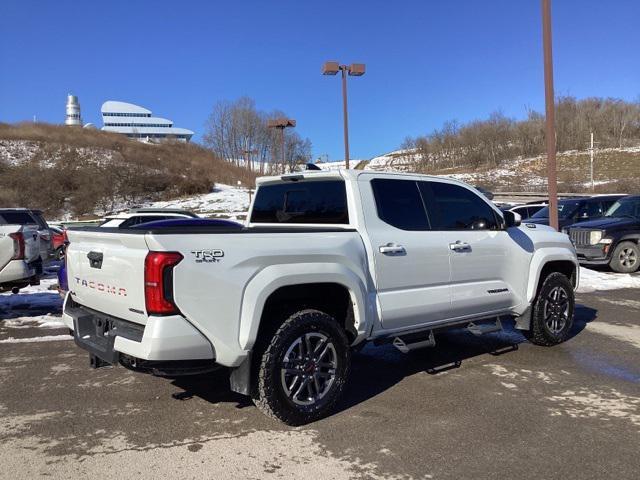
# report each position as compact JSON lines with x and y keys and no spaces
{"x":625,"y":258}
{"x":59,"y":254}
{"x":552,"y":311}
{"x":302,"y":371}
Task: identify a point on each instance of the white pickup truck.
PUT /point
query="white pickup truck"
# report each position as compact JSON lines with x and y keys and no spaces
{"x":19,"y":256}
{"x":325,"y":262}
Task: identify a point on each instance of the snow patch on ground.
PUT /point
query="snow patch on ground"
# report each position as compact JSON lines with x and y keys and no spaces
{"x":626,"y":333}
{"x":593,"y":281}
{"x":35,"y":306}
{"x":580,"y":402}
{"x":605,"y":405}
{"x":46,"y":338}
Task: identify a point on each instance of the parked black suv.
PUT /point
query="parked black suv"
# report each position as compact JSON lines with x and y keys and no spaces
{"x":611,"y":240}
{"x":576,"y":210}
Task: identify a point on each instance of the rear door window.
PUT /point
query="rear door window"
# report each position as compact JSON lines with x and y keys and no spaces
{"x":399,"y":203}
{"x":40,"y":219}
{"x":320,"y":202}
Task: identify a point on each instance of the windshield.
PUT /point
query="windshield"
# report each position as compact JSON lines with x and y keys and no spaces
{"x":626,"y":207}
{"x":566,"y":208}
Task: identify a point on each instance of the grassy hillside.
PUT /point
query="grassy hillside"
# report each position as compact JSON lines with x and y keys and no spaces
{"x":76,"y":171}
{"x":615,"y":170}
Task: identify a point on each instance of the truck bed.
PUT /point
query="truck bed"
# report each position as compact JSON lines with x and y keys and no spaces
{"x":215,"y":273}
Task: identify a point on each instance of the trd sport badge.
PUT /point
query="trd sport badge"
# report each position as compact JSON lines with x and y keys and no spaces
{"x":208,"y":256}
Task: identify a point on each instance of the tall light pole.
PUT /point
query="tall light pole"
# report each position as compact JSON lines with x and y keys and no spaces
{"x":281,"y":124}
{"x":549,"y":100}
{"x":354,"y":70}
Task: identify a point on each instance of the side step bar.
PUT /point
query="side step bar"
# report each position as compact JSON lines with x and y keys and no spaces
{"x":482,"y":328}
{"x":406,"y":347}
{"x":425,"y":338}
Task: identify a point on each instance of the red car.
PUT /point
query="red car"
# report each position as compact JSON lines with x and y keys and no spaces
{"x":58,"y":237}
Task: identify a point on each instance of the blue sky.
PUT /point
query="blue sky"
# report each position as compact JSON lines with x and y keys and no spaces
{"x":427,"y":61}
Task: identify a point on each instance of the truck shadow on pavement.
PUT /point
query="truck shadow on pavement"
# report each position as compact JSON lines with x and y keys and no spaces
{"x":378,"y":368}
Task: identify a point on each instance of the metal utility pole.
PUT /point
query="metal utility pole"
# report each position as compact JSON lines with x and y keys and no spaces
{"x":550,"y":131}
{"x":354,"y":70}
{"x":345,"y":116}
{"x":591,"y":152}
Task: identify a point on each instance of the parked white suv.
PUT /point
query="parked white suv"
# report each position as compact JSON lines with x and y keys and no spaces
{"x":326,"y":261}
{"x":19,"y":257}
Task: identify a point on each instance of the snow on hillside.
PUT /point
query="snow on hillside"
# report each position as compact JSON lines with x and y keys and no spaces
{"x":19,"y":152}
{"x":529,"y":174}
{"x":330,"y":166}
{"x":398,"y":160}
{"x":15,"y":152}
{"x":225,"y":201}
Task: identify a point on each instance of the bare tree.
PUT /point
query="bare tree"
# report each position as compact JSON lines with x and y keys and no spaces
{"x":237,"y":131}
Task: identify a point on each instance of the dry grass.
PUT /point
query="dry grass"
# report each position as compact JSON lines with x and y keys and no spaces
{"x":80,"y":170}
{"x":614,"y":171}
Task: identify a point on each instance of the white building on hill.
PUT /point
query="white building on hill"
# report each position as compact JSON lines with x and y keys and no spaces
{"x":73,"y":117}
{"x":139,"y":123}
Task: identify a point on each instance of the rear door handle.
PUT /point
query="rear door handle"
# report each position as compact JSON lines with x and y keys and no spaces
{"x":392,"y":249}
{"x":460,"y":246}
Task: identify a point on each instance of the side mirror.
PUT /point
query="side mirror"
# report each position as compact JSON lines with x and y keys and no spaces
{"x":512,"y":219}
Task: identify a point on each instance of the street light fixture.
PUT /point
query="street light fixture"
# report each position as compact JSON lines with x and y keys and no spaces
{"x":281,"y":124}
{"x":354,"y":70}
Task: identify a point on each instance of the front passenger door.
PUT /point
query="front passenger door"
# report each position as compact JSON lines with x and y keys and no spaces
{"x":482,"y":253}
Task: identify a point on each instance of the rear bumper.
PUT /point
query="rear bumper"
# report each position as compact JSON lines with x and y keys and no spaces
{"x":169,"y":338}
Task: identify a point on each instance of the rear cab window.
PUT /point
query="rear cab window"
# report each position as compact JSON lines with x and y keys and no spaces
{"x":17,"y":218}
{"x":301,"y":202}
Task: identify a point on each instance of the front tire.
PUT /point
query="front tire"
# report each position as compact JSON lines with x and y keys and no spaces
{"x":552,"y":311}
{"x":625,"y":258}
{"x":302,"y":371}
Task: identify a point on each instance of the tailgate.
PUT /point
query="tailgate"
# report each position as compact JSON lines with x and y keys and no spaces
{"x":6,"y":243}
{"x":105,"y":272}
{"x":31,"y":248}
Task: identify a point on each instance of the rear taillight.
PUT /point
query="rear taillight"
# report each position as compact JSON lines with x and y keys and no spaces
{"x":158,"y":282}
{"x":18,"y":246}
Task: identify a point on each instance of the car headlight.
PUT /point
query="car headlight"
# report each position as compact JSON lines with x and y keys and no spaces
{"x":595,"y":237}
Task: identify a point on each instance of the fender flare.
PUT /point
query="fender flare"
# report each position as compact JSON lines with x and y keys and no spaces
{"x":273,"y":277}
{"x":630,"y":236}
{"x":543,"y":256}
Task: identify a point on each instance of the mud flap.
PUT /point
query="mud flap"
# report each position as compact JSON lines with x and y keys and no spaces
{"x":523,"y":322}
{"x":240,"y":378}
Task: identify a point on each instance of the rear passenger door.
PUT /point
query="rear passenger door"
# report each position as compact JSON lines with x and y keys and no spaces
{"x":411,"y":261}
{"x":483,"y":255}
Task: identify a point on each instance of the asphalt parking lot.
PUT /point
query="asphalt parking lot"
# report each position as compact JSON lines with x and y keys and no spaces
{"x":488,"y":407}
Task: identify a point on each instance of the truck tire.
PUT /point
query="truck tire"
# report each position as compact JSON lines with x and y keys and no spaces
{"x":552,"y":311}
{"x":302,"y":370}
{"x":625,"y":258}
